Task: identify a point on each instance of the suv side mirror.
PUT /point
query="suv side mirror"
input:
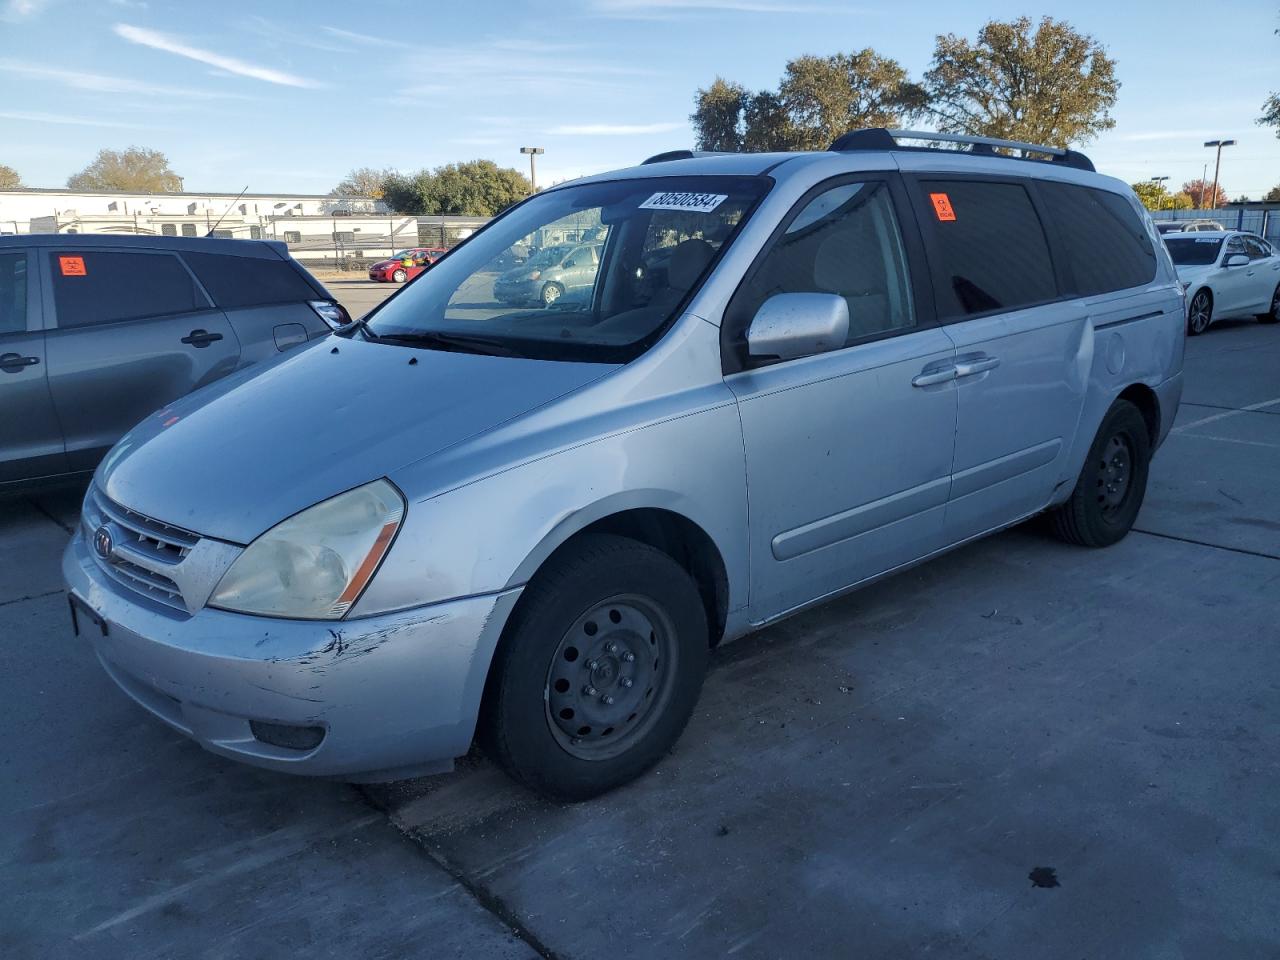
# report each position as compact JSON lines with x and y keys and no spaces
{"x":792,"y":325}
{"x":1237,"y":260}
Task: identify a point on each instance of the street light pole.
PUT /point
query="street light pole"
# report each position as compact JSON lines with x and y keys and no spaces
{"x":1217,"y":163}
{"x":533,"y":170}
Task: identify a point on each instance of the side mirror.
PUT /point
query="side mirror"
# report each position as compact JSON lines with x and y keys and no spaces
{"x":570,"y":263}
{"x":1237,"y":260}
{"x":791,"y":325}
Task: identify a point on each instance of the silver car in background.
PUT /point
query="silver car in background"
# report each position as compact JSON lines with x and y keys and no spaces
{"x":794,"y":374}
{"x":98,"y":331}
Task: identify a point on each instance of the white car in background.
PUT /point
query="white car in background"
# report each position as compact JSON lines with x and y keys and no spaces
{"x":1226,"y":275}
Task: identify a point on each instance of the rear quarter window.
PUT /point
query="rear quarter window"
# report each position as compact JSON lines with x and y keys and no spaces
{"x":991,"y":248}
{"x":1106,"y":245}
{"x":96,"y":286}
{"x":249,"y":281}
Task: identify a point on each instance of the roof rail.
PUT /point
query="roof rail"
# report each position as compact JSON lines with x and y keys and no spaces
{"x":684,"y":155}
{"x":878,"y":138}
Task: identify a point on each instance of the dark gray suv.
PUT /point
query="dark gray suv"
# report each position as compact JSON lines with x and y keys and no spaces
{"x":97,"y":332}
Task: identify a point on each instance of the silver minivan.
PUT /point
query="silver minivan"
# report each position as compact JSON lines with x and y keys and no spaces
{"x":795,"y":373}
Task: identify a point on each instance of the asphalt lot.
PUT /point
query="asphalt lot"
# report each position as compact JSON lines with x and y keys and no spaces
{"x":879,"y":778}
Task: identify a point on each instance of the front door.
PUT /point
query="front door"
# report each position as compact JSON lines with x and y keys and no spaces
{"x":133,"y":331}
{"x":848,"y":453}
{"x":30,"y":435}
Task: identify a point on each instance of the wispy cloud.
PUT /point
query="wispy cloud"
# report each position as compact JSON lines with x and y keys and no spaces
{"x":178,"y":47}
{"x":364,"y":38}
{"x":61,"y":118}
{"x":614,"y":129}
{"x":13,"y":11}
{"x":102,"y":83}
{"x":666,"y":9}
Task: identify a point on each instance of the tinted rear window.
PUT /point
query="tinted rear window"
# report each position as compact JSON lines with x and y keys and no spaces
{"x":1193,"y":251}
{"x":991,"y":246}
{"x":13,"y":292}
{"x":1107,"y":245}
{"x":249,"y":281}
{"x":95,"y":286}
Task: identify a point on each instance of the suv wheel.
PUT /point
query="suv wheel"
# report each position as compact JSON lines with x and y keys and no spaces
{"x":1272,"y":315}
{"x":599,"y":669}
{"x":1199,"y":313}
{"x":551,"y":292}
{"x":1112,"y":483}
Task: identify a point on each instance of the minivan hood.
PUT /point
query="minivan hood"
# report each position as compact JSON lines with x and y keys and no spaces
{"x":234,"y":459}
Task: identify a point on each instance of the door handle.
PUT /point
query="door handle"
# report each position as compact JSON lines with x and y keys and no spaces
{"x":975,"y":365}
{"x":14,"y":362}
{"x":201,"y":338}
{"x":928,"y":377}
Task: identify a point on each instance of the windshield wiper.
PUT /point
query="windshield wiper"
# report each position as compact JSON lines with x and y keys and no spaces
{"x":454,"y":342}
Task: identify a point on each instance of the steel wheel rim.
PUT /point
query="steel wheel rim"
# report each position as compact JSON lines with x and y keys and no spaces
{"x":610,"y":677}
{"x":1199,"y":313}
{"x":1115,"y":475}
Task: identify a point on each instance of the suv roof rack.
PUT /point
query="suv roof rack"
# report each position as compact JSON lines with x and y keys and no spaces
{"x":879,"y":138}
{"x":683,"y":155}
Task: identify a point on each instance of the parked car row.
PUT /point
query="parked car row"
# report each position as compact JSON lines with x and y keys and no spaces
{"x":778,"y":378}
{"x":98,"y":332}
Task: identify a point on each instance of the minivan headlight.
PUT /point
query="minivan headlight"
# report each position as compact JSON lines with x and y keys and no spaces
{"x":317,"y":563}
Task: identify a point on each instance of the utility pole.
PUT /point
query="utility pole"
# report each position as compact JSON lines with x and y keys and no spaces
{"x":1217,"y":163}
{"x":533,"y":170}
{"x":1159,"y":182}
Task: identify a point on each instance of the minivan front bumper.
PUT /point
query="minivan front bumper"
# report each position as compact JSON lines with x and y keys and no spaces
{"x":391,"y":696}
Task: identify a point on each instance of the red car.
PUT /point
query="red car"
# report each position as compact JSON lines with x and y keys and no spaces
{"x":405,"y":264}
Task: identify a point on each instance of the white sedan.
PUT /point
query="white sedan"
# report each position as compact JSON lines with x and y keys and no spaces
{"x":1226,"y":275}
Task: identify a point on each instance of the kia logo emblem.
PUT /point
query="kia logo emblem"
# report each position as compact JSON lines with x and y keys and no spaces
{"x":102,"y":544}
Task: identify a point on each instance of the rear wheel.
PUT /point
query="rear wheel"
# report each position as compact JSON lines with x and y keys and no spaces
{"x":1272,"y":315}
{"x":1112,"y":483}
{"x":399,"y":276}
{"x":599,"y":670}
{"x":1199,"y":313}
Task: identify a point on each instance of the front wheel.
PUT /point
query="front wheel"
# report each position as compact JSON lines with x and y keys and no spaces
{"x":1112,"y":483}
{"x":1199,"y":313}
{"x":1272,"y":315}
{"x":399,"y":276}
{"x":551,"y":292}
{"x":599,"y":669}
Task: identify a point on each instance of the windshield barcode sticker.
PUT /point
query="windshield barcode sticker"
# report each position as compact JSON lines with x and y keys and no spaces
{"x":693,"y":202}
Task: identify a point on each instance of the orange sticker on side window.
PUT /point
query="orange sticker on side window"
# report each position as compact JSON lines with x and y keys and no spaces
{"x":72,"y":266}
{"x":942,"y":206}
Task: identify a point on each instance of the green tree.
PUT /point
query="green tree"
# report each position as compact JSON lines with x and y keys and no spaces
{"x":1153,"y":195}
{"x":1271,"y":110}
{"x":135,"y":169}
{"x":9,"y":178}
{"x":477,"y":188}
{"x":1182,"y":201}
{"x":717,"y":115}
{"x":817,"y":100}
{"x":1048,"y":85}
{"x":1273,"y":195}
{"x":363,"y":182}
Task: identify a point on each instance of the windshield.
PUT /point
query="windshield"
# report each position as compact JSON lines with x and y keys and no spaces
{"x":400,"y":255}
{"x":608,"y":265}
{"x":1193,"y":251}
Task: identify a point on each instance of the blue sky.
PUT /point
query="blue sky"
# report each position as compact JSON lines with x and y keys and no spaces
{"x":290,"y":96}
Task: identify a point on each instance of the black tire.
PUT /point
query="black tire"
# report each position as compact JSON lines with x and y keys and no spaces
{"x":551,"y":292}
{"x":1109,"y":494}
{"x":399,"y":275}
{"x":1199,"y":312}
{"x":1272,"y":316}
{"x":572,"y":600}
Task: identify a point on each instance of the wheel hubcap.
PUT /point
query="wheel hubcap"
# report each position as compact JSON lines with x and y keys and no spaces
{"x":608,"y":677}
{"x":1200,"y":313}
{"x":1114,"y":475}
{"x":550,"y":295}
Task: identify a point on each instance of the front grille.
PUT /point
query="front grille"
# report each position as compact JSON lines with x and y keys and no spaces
{"x":142,"y":549}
